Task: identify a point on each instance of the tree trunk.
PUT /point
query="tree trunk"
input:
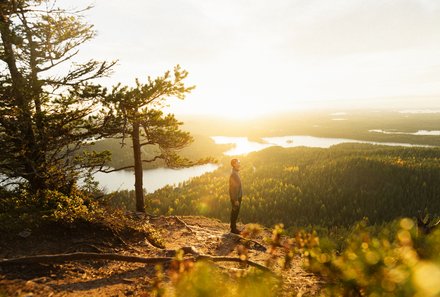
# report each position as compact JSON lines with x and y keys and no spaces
{"x":26,"y":143}
{"x":138,"y":173}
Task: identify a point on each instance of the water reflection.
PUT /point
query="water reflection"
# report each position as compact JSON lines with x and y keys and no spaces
{"x":153,"y":178}
{"x":309,"y":141}
{"x":244,"y":146}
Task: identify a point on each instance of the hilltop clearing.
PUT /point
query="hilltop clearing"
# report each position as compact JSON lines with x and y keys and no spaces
{"x":196,"y":235}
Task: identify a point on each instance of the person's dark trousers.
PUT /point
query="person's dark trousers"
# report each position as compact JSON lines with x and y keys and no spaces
{"x":234,"y":215}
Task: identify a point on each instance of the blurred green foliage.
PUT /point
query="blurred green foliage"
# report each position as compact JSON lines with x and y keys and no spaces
{"x":397,"y":261}
{"x":394,"y":260}
{"x":204,"y":279}
{"x":207,"y":280}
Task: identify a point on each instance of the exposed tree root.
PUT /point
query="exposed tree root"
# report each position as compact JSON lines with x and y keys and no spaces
{"x":118,"y":237}
{"x":249,"y":242}
{"x":233,"y":259}
{"x":183,"y":223}
{"x":59,"y":258}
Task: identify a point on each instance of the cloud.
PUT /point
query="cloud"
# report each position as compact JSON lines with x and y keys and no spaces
{"x":283,"y":51}
{"x":364,"y":26}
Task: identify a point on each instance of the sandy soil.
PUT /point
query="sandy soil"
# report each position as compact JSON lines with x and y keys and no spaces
{"x":111,"y":278}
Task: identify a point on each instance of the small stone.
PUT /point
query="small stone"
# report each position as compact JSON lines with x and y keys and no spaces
{"x":30,"y":283}
{"x":40,"y":280}
{"x":25,"y":233}
{"x":78,"y":270}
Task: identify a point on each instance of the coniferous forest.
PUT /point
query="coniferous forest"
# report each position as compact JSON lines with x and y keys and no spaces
{"x":311,"y":186}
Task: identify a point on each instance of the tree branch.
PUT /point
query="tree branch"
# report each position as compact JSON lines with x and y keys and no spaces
{"x":154,"y":159}
{"x":147,"y":143}
{"x":116,"y":169}
{"x":54,"y":64}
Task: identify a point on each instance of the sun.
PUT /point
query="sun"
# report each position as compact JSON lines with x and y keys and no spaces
{"x":235,"y":108}
{"x":240,"y":110}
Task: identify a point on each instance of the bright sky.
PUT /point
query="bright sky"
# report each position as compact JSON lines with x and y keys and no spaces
{"x":250,"y":57}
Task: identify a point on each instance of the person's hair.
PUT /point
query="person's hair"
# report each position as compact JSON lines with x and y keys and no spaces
{"x":233,"y":162}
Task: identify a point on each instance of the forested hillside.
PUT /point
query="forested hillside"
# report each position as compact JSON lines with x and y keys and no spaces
{"x":122,"y":155}
{"x":311,"y":186}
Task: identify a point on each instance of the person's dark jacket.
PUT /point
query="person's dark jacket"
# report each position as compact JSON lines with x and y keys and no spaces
{"x":235,"y":191}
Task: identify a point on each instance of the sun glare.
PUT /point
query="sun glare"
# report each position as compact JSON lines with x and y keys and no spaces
{"x":240,"y":111}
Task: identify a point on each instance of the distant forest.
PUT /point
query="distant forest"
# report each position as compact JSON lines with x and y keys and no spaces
{"x":352,"y":124}
{"x":122,"y":155}
{"x":356,"y":125}
{"x":312,"y":186}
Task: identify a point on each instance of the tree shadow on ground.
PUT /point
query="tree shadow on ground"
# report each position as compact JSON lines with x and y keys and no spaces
{"x":126,"y":277}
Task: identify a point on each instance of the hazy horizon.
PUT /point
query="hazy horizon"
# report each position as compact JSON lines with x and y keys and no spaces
{"x":420,"y":109}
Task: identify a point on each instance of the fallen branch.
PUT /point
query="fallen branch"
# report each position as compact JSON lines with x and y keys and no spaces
{"x":60,"y":258}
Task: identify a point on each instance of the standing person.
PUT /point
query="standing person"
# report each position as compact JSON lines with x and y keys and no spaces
{"x":235,"y":194}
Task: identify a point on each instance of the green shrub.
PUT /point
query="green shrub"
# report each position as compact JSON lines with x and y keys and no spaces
{"x":21,"y":209}
{"x":398,"y":261}
{"x":68,"y":208}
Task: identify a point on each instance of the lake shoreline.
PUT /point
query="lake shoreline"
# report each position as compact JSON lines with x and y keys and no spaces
{"x":157,"y":178}
{"x":153,"y":179}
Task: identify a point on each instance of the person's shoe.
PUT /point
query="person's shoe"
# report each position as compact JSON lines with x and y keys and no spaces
{"x":235,"y":231}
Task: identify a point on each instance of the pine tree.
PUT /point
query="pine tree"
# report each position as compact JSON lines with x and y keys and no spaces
{"x":136,"y":113}
{"x":46,"y":111}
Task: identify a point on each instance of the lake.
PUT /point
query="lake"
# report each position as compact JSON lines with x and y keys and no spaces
{"x":242,"y":145}
{"x":154,"y":179}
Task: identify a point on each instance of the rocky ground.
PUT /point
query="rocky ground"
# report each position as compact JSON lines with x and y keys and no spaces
{"x":116,"y":278}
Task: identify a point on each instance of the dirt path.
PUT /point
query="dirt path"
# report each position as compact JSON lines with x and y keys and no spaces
{"x":106,"y":278}
{"x":210,"y":236}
